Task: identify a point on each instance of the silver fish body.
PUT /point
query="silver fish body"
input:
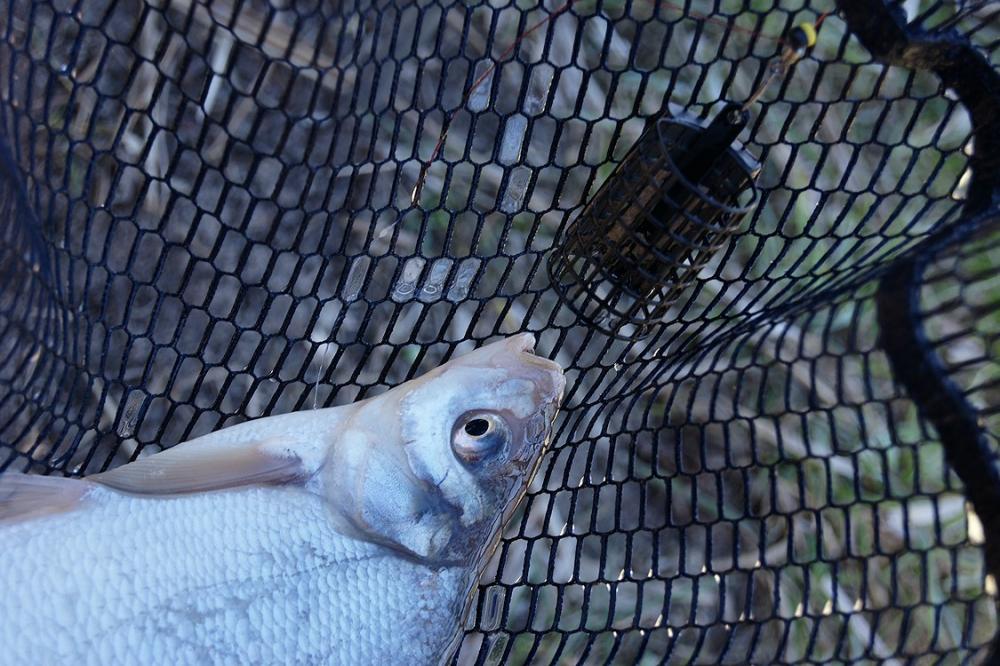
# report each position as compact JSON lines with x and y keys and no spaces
{"x":350,"y":535}
{"x":255,"y":575}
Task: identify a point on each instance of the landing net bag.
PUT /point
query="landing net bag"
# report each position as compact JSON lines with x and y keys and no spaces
{"x":212,"y":212}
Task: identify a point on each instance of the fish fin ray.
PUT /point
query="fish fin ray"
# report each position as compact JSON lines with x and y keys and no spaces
{"x":200,"y":466}
{"x":26,"y":496}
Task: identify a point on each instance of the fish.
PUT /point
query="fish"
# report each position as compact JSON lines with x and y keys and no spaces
{"x":346,"y":535}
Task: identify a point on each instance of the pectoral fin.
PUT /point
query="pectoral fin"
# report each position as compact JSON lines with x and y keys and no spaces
{"x":26,"y":496}
{"x":200,"y":466}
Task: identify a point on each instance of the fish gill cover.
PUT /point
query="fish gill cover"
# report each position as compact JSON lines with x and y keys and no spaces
{"x":217,"y":211}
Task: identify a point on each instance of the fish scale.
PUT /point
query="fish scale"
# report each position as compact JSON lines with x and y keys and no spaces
{"x":226,"y":569}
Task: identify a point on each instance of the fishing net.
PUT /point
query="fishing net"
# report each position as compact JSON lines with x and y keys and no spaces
{"x":218,"y":211}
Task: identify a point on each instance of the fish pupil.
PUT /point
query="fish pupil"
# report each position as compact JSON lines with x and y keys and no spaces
{"x":477,"y":427}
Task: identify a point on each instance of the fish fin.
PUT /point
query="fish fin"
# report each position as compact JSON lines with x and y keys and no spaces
{"x":199,"y":466}
{"x":25,"y":496}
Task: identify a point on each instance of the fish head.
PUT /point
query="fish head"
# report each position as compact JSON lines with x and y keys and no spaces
{"x":435,"y":466}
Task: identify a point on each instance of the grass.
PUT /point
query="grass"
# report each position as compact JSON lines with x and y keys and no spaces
{"x":748,"y":484}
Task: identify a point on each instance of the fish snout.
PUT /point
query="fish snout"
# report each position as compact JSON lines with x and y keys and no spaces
{"x":549,"y":382}
{"x":547,"y":376}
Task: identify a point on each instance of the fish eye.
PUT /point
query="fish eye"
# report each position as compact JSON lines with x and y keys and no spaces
{"x":477,"y":427}
{"x":478,"y":436}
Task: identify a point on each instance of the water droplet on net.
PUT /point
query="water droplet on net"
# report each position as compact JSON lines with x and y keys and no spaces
{"x":512,"y":141}
{"x":404,"y":289}
{"x":513,"y":196}
{"x":433,"y":286}
{"x":479,"y":97}
{"x":130,"y":415}
{"x":492,"y":609}
{"x":462,"y":283}
{"x":355,"y":279}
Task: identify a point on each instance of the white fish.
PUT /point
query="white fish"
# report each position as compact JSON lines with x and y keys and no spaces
{"x":349,"y":535}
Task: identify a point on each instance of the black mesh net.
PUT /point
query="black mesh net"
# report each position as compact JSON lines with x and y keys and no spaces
{"x":207,"y":217}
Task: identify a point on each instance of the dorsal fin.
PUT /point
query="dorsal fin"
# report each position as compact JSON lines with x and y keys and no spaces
{"x":206,"y":464}
{"x":25,"y":496}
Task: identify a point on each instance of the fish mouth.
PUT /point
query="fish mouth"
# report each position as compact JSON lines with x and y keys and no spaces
{"x":522,"y":342}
